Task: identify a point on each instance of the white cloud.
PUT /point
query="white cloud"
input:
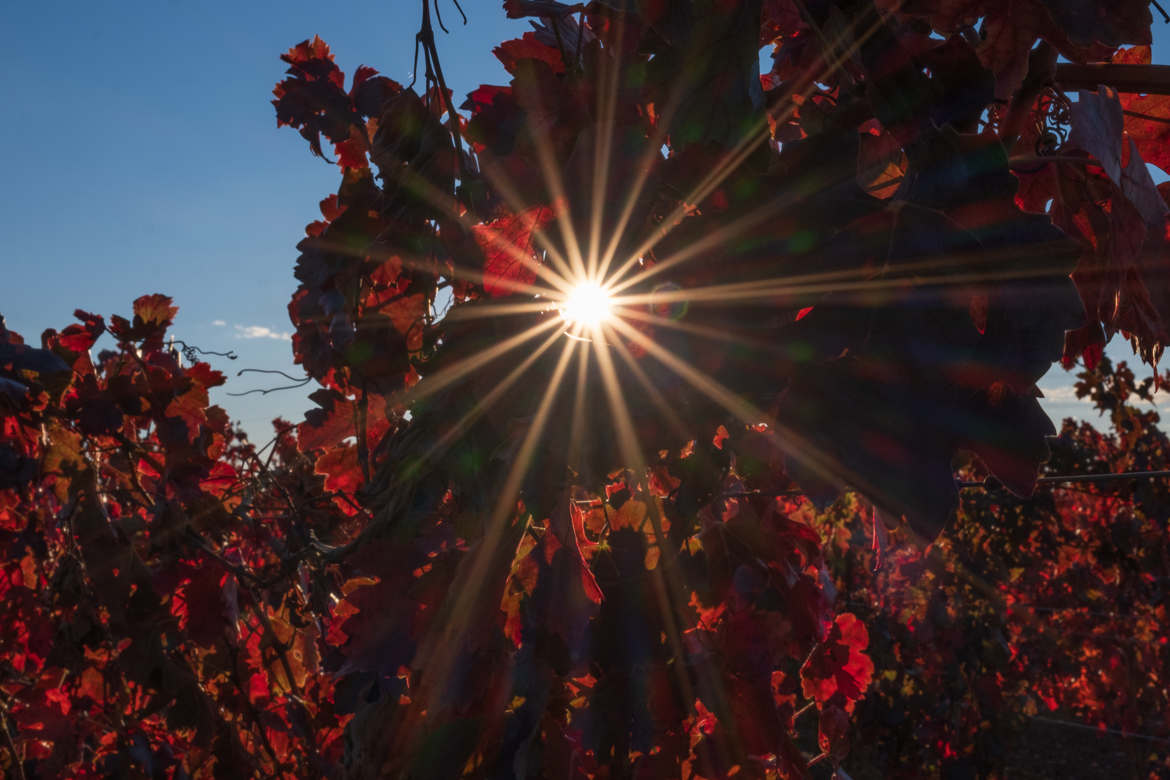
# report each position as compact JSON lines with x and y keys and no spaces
{"x":260,"y":332}
{"x":1060,"y":395}
{"x":1067,"y":394}
{"x":219,"y":323}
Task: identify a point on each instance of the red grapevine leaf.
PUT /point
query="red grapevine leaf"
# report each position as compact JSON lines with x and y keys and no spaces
{"x":190,"y":408}
{"x":881,"y":164}
{"x":63,"y":458}
{"x":204,"y":618}
{"x":1150,"y":130}
{"x":154,"y":311}
{"x":307,"y":53}
{"x":1010,"y":29}
{"x":10,"y":520}
{"x":370,"y":91}
{"x":1138,"y":186}
{"x":335,"y":420}
{"x":331,"y":209}
{"x":839,"y":666}
{"x":329,"y":424}
{"x":204,"y":375}
{"x":312,"y":99}
{"x":565,"y":527}
{"x":483,"y":96}
{"x":351,"y":153}
{"x":510,"y":255}
{"x":258,"y":690}
{"x":363,"y":74}
{"x":1134,"y":55}
{"x":341,"y":469}
{"x":79,"y":338}
{"x":92,"y":686}
{"x":528,"y":47}
{"x":407,"y":315}
{"x":520,"y":584}
{"x":153,"y":314}
{"x":1097,"y":126}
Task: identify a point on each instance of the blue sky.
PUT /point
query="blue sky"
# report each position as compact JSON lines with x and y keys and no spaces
{"x":141,"y":154}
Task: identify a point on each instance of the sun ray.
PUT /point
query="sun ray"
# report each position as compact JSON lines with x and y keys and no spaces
{"x":607,"y":98}
{"x":713,"y":389}
{"x":724,"y":168}
{"x":843,"y":291}
{"x":449,"y":205}
{"x":746,"y":412}
{"x":433,"y":383}
{"x":505,"y":308}
{"x":444,"y":638}
{"x":478,"y":277}
{"x":652,"y":153}
{"x":511,"y":488}
{"x":606,"y":108}
{"x":563,"y":275}
{"x":483,"y":405}
{"x":572,"y":267}
{"x":669,"y":588}
{"x":556,"y":186}
{"x":703,"y":331}
{"x":681,"y":87}
{"x":653,"y":393}
{"x":581,"y":393}
{"x":560,"y":268}
{"x":510,"y":491}
{"x":520,"y":255}
{"x":824,"y":465}
{"x":708,"y":242}
{"x":452,"y":207}
{"x":556,"y":277}
{"x":741,"y":151}
{"x":858,"y":279}
{"x":628,"y":446}
{"x":446,"y":203}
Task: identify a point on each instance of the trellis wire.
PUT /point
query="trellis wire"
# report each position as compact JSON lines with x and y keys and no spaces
{"x":990,"y":483}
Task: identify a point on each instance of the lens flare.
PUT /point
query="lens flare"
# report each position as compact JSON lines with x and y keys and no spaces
{"x":587,"y":305}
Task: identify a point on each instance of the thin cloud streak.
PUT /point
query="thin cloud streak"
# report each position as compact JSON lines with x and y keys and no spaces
{"x":261,"y":332}
{"x":1067,"y":394}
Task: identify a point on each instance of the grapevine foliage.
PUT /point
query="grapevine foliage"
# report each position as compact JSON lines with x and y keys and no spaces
{"x":493,"y":549}
{"x":154,"y":587}
{"x":1029,"y":623}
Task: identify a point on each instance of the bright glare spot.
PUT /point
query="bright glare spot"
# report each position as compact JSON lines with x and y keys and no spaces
{"x":588,"y":305}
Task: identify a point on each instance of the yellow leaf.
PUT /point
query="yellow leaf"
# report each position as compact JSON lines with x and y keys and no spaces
{"x":631,"y":515}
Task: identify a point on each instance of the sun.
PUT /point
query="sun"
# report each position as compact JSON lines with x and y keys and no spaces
{"x":587,"y":305}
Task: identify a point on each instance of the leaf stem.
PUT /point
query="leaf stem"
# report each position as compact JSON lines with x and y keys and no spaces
{"x":816,"y":759}
{"x":16,"y":762}
{"x":804,"y":709}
